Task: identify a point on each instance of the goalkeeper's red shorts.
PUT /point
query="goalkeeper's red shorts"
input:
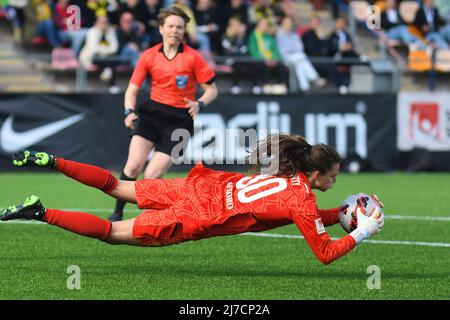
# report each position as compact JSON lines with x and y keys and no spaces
{"x":160,"y":226}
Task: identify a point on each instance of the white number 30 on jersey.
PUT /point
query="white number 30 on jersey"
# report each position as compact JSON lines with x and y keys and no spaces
{"x":248,"y":184}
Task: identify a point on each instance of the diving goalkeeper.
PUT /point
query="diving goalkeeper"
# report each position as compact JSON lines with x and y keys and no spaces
{"x":210,"y":203}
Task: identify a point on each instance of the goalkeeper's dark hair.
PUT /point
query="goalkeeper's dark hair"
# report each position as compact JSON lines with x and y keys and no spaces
{"x":294,"y":154}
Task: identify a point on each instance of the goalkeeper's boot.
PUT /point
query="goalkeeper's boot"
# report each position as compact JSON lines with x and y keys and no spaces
{"x":28,"y":158}
{"x":31,"y":209}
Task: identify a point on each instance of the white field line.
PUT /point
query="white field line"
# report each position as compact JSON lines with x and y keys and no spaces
{"x":290,"y":236}
{"x":386,"y":216}
{"x":408,"y":243}
{"x":426,"y":218}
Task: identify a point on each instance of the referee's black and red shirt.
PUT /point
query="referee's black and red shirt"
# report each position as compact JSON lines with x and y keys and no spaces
{"x":175,"y":79}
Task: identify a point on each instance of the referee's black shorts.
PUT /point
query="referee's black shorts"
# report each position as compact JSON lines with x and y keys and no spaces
{"x":156,"y":123}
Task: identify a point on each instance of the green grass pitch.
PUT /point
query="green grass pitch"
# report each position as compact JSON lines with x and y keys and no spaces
{"x":35,"y":257}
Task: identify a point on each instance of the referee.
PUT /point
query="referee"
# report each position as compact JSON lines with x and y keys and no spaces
{"x":175,"y":69}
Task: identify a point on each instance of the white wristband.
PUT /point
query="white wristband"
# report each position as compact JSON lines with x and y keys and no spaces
{"x":358,"y":236}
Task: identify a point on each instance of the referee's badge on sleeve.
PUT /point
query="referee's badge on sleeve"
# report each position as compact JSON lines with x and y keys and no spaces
{"x":181,"y":81}
{"x":319,"y":226}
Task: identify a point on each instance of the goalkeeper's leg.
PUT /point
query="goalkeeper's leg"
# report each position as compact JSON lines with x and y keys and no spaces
{"x":91,"y":226}
{"x":81,"y":223}
{"x":89,"y":175}
{"x":98,"y":178}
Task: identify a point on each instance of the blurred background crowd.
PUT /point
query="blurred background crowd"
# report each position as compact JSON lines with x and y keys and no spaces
{"x":269,"y":41}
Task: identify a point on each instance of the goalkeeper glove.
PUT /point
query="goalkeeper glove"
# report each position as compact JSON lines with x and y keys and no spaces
{"x":367,"y":225}
{"x":375,"y":198}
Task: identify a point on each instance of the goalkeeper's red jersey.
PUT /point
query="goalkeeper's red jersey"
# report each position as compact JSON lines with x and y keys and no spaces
{"x":215,"y":203}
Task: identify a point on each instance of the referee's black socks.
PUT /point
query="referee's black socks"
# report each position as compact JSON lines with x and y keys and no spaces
{"x":120,"y":204}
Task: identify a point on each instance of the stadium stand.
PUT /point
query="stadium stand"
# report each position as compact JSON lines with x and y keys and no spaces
{"x":417,"y":66}
{"x":53,"y":66}
{"x":15,"y":72}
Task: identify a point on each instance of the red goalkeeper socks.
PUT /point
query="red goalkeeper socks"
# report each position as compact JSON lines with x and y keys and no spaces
{"x":87,"y":174}
{"x":78,"y":222}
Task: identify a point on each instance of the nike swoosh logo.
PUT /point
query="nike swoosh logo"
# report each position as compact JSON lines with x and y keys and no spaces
{"x":12,"y":141}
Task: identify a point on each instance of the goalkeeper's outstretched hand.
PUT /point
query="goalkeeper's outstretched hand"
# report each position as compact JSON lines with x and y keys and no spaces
{"x":368,"y":225}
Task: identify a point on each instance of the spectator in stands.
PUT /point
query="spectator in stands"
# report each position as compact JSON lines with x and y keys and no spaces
{"x":11,"y":13}
{"x":314,"y":39}
{"x":234,"y":45}
{"x":339,"y":7}
{"x":101,"y":43}
{"x":428,"y":21}
{"x":395,"y":27}
{"x":262,"y":9}
{"x":133,"y":6}
{"x":318,"y":4}
{"x":206,"y":16}
{"x":340,"y":42}
{"x":196,"y":38}
{"x":287,"y":8}
{"x":232,"y":8}
{"x":45,"y":26}
{"x":340,"y":45}
{"x":316,"y":47}
{"x":262,"y":46}
{"x":279,"y":8}
{"x":88,"y":15}
{"x":100,"y":7}
{"x":28,"y":21}
{"x":74,"y":36}
{"x":148,"y":15}
{"x":292,"y":53}
{"x":129,"y":37}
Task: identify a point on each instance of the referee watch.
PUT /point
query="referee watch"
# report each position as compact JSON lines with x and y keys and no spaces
{"x":128,"y":111}
{"x":201,"y":105}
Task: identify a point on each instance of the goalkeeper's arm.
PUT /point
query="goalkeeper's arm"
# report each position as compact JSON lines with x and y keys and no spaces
{"x":329,"y":216}
{"x":326,"y":250}
{"x":310,"y":225}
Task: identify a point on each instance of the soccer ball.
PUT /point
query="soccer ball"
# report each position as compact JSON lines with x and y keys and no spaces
{"x":347,"y":216}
